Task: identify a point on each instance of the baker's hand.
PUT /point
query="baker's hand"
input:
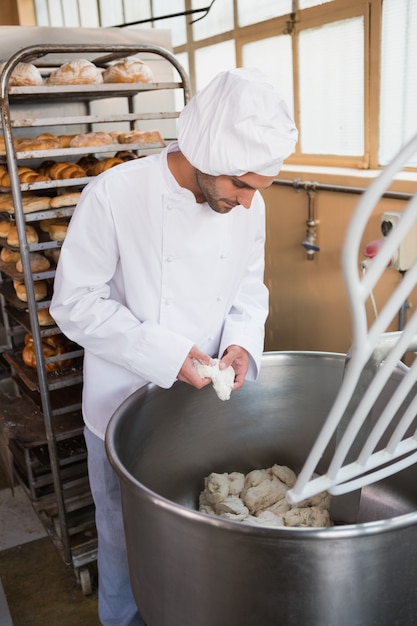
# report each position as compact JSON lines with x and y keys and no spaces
{"x":188,"y":373}
{"x":238,"y":358}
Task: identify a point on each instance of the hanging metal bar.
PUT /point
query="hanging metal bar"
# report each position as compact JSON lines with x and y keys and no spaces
{"x":204,"y":10}
{"x":297,"y":184}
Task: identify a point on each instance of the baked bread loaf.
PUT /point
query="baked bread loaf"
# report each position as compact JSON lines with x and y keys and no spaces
{"x":64,"y":140}
{"x":40,"y":288}
{"x":129,"y":70}
{"x":9,"y":256}
{"x":91,"y":139}
{"x":65,"y":199}
{"x":140,"y":136}
{"x":51,"y":346}
{"x":23,"y":75}
{"x":13,"y":238}
{"x":77,"y":72}
{"x":104,"y":165}
{"x":40,"y":143}
{"x":45,"y":318}
{"x":31,"y":204}
{"x":38,"y":263}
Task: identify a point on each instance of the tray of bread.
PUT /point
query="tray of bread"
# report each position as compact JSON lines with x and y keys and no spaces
{"x":62,"y":360}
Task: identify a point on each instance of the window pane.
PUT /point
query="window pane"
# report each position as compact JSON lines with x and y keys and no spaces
{"x":274,"y":57}
{"x":55,"y":13}
{"x":219,"y":19}
{"x":250,"y":12}
{"x":211,"y":60}
{"x":332,"y":88}
{"x":135,"y":10}
{"x":111,"y":13}
{"x":41,"y":10}
{"x":398,"y":120}
{"x":177,"y":25}
{"x":71,"y":16}
{"x":88,"y":13}
{"x":305,"y":4}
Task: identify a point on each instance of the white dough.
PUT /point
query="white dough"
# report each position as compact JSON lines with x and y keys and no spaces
{"x":259,"y":498}
{"x":222,"y":380}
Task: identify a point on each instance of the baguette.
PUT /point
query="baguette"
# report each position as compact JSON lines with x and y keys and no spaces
{"x":45,"y":143}
{"x":66,"y":199}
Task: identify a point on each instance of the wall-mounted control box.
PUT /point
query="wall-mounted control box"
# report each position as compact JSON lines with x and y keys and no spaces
{"x":407,"y":251}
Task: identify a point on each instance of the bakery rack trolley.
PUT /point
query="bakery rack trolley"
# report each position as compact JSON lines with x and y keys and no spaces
{"x":61,"y":495}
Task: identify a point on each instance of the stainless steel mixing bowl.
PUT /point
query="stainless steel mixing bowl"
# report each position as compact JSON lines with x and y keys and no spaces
{"x":190,"y":569}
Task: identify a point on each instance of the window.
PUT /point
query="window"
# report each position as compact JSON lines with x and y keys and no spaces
{"x":331,"y":88}
{"x":346,"y":68}
{"x":398,"y":122}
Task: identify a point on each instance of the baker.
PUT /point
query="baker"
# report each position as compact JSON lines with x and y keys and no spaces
{"x":162,"y":266}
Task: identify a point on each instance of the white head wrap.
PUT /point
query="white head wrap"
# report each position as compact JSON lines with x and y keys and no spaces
{"x":235,"y":125}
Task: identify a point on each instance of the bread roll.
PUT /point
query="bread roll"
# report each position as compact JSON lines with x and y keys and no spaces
{"x":26,"y":175}
{"x":126,"y":155}
{"x":45,"y":318}
{"x":130,"y":70}
{"x":90,"y":139}
{"x":58,"y":232}
{"x":13,"y":238}
{"x":104,"y":165}
{"x":87,"y":163}
{"x":45,"y":166}
{"x":38,"y":263}
{"x":5,"y":227}
{"x":77,"y":72}
{"x":53,"y":253}
{"x":9,"y":256}
{"x":24,"y":74}
{"x":51,"y":346}
{"x":66,"y":199}
{"x":46,"y":224}
{"x":40,"y":288}
{"x":65,"y":170}
{"x":140,"y":136}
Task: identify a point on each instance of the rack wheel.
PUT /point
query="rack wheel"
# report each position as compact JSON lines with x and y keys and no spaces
{"x":84,"y":578}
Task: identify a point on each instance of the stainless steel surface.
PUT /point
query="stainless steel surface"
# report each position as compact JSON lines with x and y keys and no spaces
{"x":190,"y":568}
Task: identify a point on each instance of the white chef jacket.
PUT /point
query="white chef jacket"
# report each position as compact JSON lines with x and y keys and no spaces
{"x":145,"y":273}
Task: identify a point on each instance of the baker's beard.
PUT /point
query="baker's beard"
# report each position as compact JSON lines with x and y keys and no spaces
{"x":208,"y":188}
